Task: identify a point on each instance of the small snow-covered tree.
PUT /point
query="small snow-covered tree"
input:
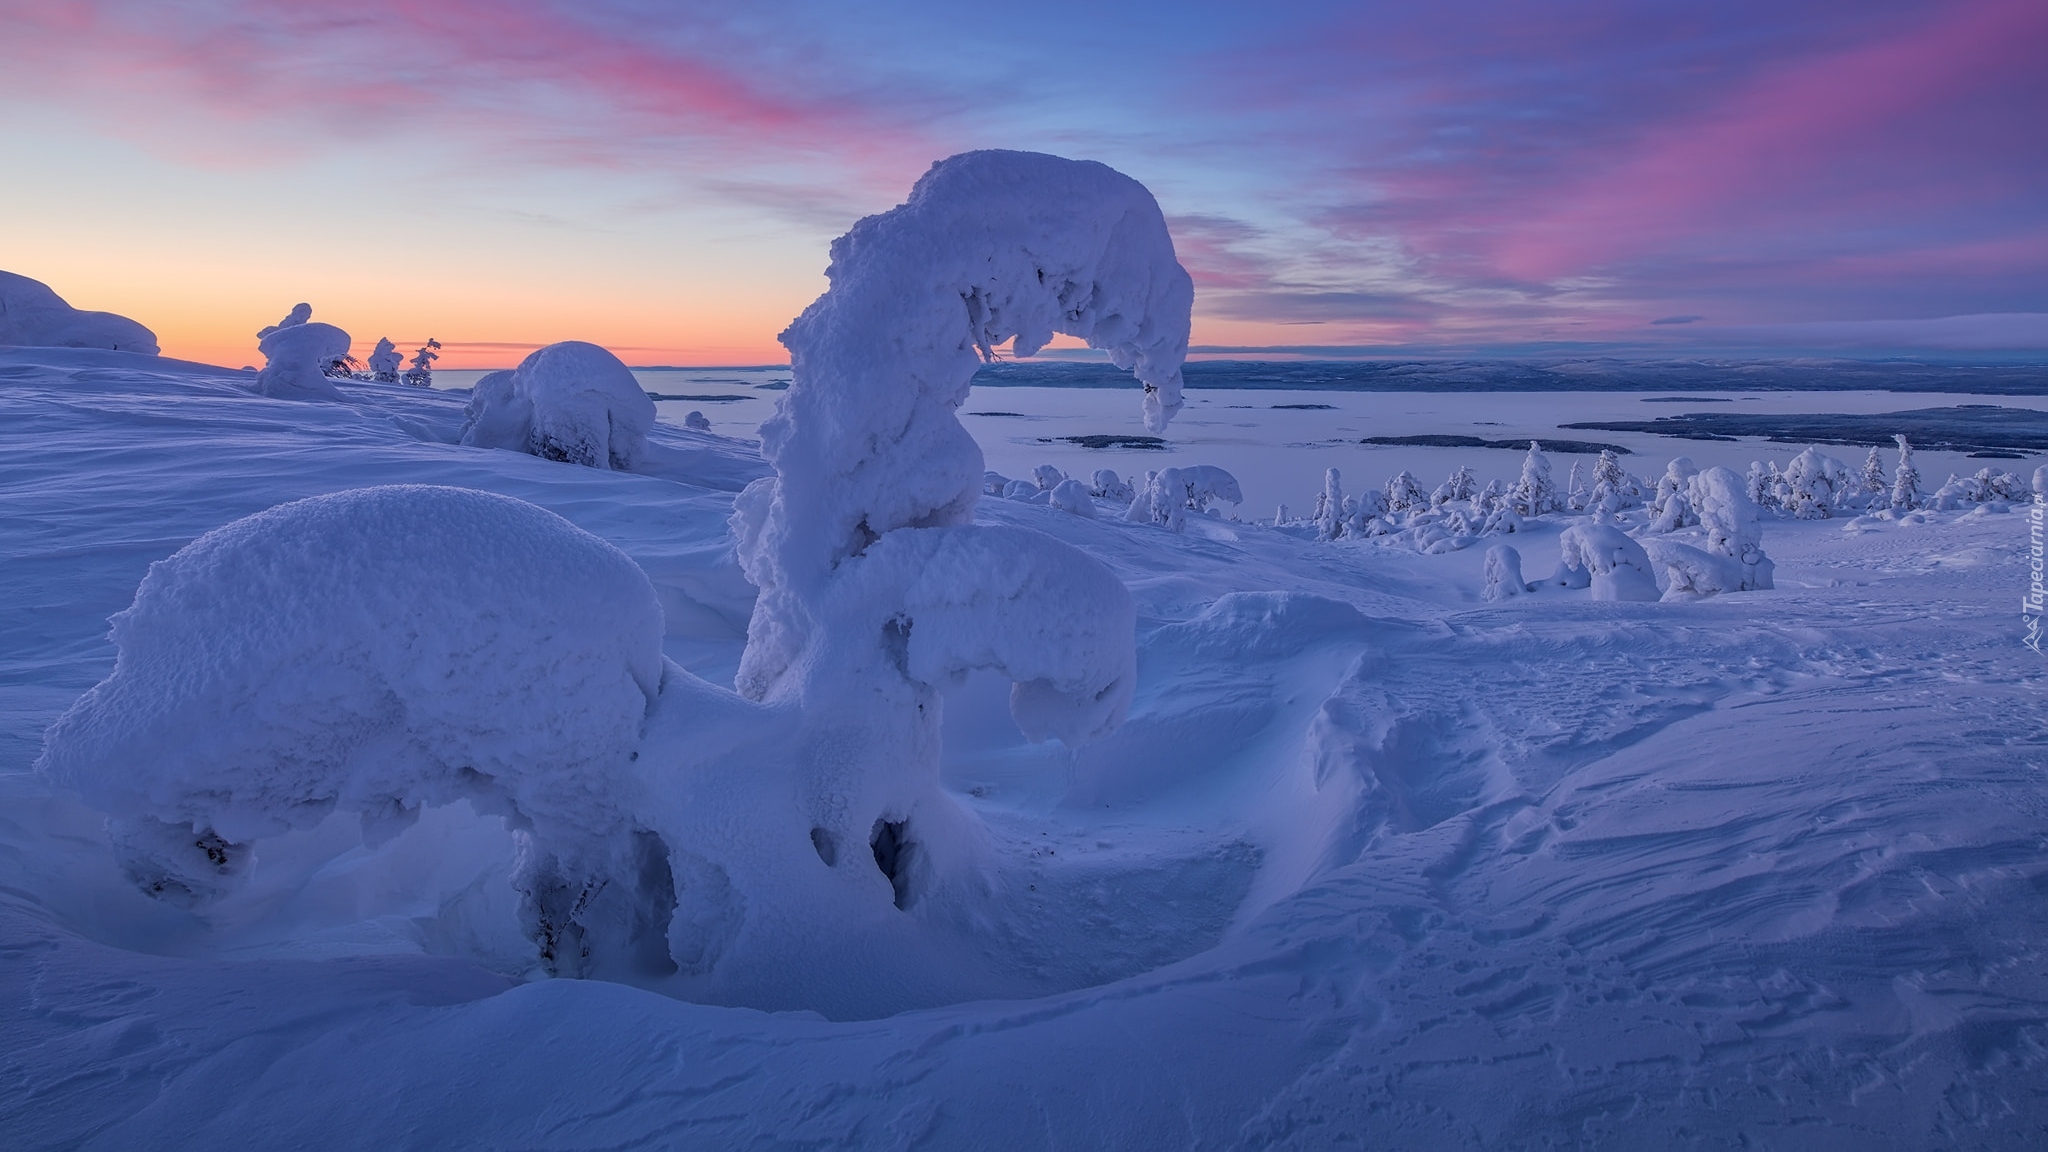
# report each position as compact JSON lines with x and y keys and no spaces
{"x":1330,"y":507}
{"x":1047,"y":477}
{"x":1875,"y":482}
{"x":1072,"y":496}
{"x":1761,"y":486}
{"x":1733,"y":559}
{"x":1110,"y":486}
{"x":696,"y":421}
{"x":1535,"y":493}
{"x":1613,"y":487}
{"x":1171,"y":493}
{"x":384,"y":362}
{"x":1905,"y":480}
{"x":1404,"y":494}
{"x":298,"y":351}
{"x":1672,"y":506}
{"x":1577,"y":495}
{"x":1503,"y":573}
{"x":1490,"y":499}
{"x":421,"y":374}
{"x":1814,"y":484}
{"x":1460,"y":485}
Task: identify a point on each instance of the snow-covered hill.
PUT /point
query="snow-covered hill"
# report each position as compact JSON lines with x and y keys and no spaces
{"x":1373,"y":862}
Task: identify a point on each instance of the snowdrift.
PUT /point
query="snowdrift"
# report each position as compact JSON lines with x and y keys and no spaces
{"x":32,"y":315}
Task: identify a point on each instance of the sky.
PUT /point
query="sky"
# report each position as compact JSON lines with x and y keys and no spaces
{"x":1463,"y":177}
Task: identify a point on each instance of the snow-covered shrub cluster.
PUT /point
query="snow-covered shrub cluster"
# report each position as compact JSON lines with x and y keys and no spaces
{"x":383,"y":362}
{"x":1606,"y":559}
{"x":33,"y":316}
{"x":375,"y":652}
{"x":302,"y":357}
{"x":573,"y":402}
{"x":1170,"y":494}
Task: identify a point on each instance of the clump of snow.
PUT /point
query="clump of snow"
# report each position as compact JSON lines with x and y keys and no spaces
{"x":1047,"y":476}
{"x":379,"y":651}
{"x":1606,"y":559}
{"x":300,"y":355}
{"x":2041,"y":482}
{"x":32,"y":315}
{"x":384,"y":361}
{"x":573,"y":402}
{"x":1503,"y":573}
{"x":1110,"y":486}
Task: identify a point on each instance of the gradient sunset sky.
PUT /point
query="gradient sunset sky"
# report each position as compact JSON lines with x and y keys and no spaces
{"x":663,"y":178}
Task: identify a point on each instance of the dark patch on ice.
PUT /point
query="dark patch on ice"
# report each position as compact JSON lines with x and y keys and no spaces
{"x":893,"y":849}
{"x":1585,"y":374}
{"x":1308,"y":407}
{"x":1438,"y":440}
{"x":1688,"y":400}
{"x":1998,"y":454}
{"x":1017,"y":414}
{"x":1150,"y":443}
{"x":773,"y":386}
{"x":1963,"y":428}
{"x":712,"y":398}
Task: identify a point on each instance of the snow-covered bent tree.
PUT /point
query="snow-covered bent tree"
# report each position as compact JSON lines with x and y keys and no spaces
{"x":876,"y":592}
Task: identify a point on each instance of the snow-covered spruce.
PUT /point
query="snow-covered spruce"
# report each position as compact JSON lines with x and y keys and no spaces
{"x":376,"y":652}
{"x":299,"y":353}
{"x":1604,"y":558}
{"x":573,"y":402}
{"x":384,"y":361}
{"x":1671,"y":507}
{"x":32,"y":315}
{"x":1329,"y":515}
{"x":421,"y":373}
{"x":1404,"y":494}
{"x":1503,"y":573}
{"x":1733,"y":559}
{"x":1816,"y":484}
{"x":1536,"y":492}
{"x":861,"y":545}
{"x":1905,"y":480}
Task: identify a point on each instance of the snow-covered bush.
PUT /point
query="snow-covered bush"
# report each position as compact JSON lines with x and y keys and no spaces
{"x":876,"y":592}
{"x":696,"y":421}
{"x":1459,"y":485}
{"x":1503,"y":573}
{"x":1603,"y":557}
{"x":995,"y":483}
{"x":1169,"y":494}
{"x":1905,"y":480}
{"x":572,"y":401}
{"x":1671,"y":507}
{"x":1874,"y":483}
{"x":1026,"y":491}
{"x":1577,"y":496}
{"x":1613,"y":487}
{"x":1047,"y":477}
{"x":1733,"y":559}
{"x":384,"y":361}
{"x":1110,"y":486}
{"x":1072,"y":496}
{"x":1761,"y":485}
{"x":1535,"y":493}
{"x":1404,"y":494}
{"x":33,"y":316}
{"x":376,"y":652}
{"x":299,"y":356}
{"x":1815,"y":484}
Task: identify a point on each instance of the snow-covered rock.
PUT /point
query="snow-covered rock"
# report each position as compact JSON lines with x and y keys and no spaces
{"x":31,"y":315}
{"x":573,"y":402}
{"x":378,"y":651}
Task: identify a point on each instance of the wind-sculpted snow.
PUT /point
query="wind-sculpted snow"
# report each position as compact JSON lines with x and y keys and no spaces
{"x":32,"y":315}
{"x":298,"y":351}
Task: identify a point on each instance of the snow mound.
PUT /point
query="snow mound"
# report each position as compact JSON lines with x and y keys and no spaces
{"x":374,"y":651}
{"x":1503,"y":573}
{"x":573,"y":402}
{"x":297,"y":351}
{"x":31,"y":315}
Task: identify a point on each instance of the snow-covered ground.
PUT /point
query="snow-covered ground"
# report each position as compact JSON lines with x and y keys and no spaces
{"x":1373,"y":863}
